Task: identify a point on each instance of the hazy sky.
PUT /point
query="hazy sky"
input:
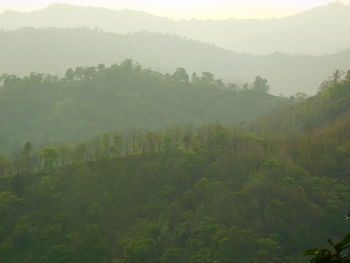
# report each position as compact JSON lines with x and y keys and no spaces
{"x":218,"y":9}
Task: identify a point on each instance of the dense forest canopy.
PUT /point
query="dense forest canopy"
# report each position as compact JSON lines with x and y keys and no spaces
{"x":182,"y":194}
{"x":52,"y":51}
{"x":87,"y":101}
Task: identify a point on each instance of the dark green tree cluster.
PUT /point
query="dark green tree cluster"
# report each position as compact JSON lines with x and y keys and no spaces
{"x":339,"y":252}
{"x":90,"y":100}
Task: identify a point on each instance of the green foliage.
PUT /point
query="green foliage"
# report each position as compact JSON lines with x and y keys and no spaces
{"x":89,"y":100}
{"x":49,"y":157}
{"x":331,"y":104}
{"x":5,"y":165}
{"x":210,"y":194}
{"x":339,"y":253}
{"x":261,"y":85}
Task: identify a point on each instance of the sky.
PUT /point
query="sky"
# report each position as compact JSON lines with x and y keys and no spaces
{"x":213,"y":9}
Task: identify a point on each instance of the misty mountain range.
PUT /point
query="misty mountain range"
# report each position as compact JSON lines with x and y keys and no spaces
{"x":321,"y":30}
{"x":54,"y":50}
{"x":121,"y":155}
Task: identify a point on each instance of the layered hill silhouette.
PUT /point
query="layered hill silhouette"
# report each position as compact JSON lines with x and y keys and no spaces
{"x":320,"y":30}
{"x":54,"y":50}
{"x":122,"y":163}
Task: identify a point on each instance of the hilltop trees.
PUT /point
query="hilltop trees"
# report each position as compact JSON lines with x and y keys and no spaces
{"x":261,"y":85}
{"x":70,"y":74}
{"x":181,"y":75}
{"x":5,"y":165}
{"x":49,"y":157}
{"x":25,"y":159}
{"x":89,"y":100}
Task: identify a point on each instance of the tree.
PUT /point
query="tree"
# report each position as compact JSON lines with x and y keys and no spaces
{"x":245,"y":86}
{"x":261,"y":85}
{"x":90,"y":72}
{"x":9,"y":203}
{"x":35,"y":78}
{"x":336,"y":76}
{"x":181,"y":75}
{"x":5,"y":164}
{"x":101,"y":67}
{"x":127,"y":65}
{"x":339,"y":252}
{"x":194,"y":78}
{"x":25,"y":161}
{"x":49,"y":157}
{"x":208,"y":77}
{"x":347,"y":77}
{"x":70,"y":75}
{"x":80,"y":72}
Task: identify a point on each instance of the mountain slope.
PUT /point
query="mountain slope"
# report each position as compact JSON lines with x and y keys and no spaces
{"x":125,"y":97}
{"x":180,"y":195}
{"x":54,"y":50}
{"x":317,"y":129}
{"x":299,"y":34}
{"x":330,"y":106}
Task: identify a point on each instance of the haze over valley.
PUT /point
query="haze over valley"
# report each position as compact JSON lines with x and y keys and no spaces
{"x":127,"y":137}
{"x":36,"y":50}
{"x":285,"y":51}
{"x":318,"y":31}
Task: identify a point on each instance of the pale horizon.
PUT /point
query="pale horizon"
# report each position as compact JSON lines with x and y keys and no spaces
{"x":182,"y":9}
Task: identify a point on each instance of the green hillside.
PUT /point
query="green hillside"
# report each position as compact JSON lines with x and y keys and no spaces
{"x":207,"y":194}
{"x":332,"y":104}
{"x":87,"y":101}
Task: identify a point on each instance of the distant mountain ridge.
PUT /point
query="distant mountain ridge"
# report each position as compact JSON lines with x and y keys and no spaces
{"x":321,"y":30}
{"x":54,"y":50}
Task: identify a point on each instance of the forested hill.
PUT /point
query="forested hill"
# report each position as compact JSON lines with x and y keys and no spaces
{"x":206,"y":194}
{"x":330,"y":106}
{"x":88,"y":101}
{"x":54,"y":50}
